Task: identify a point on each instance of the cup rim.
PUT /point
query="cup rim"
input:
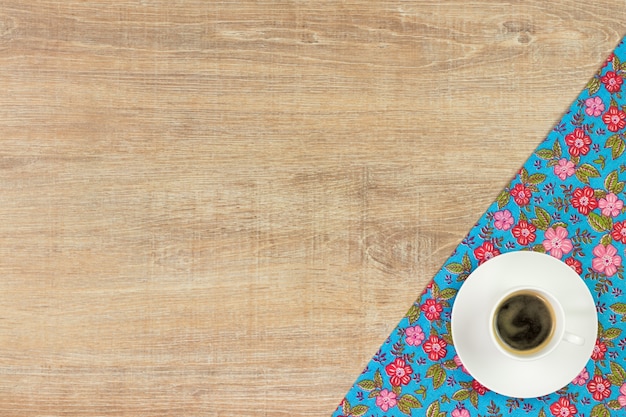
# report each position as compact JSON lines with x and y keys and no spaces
{"x":556,"y":333}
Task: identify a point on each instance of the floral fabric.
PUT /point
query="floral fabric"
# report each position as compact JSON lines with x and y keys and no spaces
{"x":567,"y":201}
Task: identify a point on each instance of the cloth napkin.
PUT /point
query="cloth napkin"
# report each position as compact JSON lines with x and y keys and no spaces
{"x":568,"y":201}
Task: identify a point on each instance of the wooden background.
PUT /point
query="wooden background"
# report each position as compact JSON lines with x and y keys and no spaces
{"x":222,"y":208}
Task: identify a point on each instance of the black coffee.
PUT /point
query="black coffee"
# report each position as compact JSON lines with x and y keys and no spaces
{"x":524,"y":321}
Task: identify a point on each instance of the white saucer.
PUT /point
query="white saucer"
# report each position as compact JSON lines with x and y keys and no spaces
{"x":471,"y":325}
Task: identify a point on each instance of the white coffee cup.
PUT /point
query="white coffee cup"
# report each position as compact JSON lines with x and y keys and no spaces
{"x":550,"y":364}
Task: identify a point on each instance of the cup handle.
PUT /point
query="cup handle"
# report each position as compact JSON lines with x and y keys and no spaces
{"x":574,"y":339}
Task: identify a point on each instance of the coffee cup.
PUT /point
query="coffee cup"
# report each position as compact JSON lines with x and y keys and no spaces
{"x":524,"y":324}
{"x":528,"y":323}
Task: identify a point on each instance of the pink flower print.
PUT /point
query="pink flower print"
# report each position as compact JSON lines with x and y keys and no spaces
{"x":556,"y":242}
{"x":622,"y":398}
{"x":564,"y":169}
{"x":386,"y":399}
{"x":414,"y":336}
{"x":607,"y":260}
{"x":610,"y":205}
{"x":581,"y":378}
{"x":503,"y":220}
{"x":460,"y":412}
{"x":594,"y":106}
{"x":459,"y":364}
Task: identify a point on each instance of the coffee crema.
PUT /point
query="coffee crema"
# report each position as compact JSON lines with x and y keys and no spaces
{"x":524,"y":322}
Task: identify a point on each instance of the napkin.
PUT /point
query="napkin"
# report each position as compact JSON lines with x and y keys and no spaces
{"x":568,"y":201}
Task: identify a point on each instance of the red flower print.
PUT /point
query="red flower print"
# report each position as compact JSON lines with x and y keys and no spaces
{"x":435,"y":347}
{"x":598,"y":351}
{"x":521,"y":194}
{"x":575,"y":265}
{"x":584,"y":200}
{"x":578,"y":142}
{"x":485,"y":252}
{"x":524,"y":232}
{"x":399,"y":372}
{"x":563,"y":408}
{"x":614,"y":119}
{"x":599,"y":388}
{"x":612,"y":82}
{"x":479,"y":388}
{"x":432,"y":309}
{"x":619,"y":232}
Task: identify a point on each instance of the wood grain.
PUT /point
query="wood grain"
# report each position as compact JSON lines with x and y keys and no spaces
{"x":222,"y":208}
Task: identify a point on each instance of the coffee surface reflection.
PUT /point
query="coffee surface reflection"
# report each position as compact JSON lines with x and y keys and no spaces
{"x":524,"y":322}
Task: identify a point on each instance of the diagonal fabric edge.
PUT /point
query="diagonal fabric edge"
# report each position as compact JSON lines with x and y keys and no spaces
{"x":567,"y":200}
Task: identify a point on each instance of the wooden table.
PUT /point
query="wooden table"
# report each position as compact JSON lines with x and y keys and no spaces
{"x":222,"y":208}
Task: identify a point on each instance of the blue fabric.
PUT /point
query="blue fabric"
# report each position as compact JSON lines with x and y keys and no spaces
{"x":568,"y":201}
